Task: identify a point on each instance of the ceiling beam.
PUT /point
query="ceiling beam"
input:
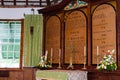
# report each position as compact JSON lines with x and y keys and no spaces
{"x":57,"y":7}
{"x":2,"y":2}
{"x":55,"y":1}
{"x":14,"y":2}
{"x":48,"y":2}
{"x":26,"y":2}
{"x":40,"y":2}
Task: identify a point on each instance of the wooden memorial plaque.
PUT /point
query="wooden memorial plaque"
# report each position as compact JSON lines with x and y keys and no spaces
{"x":52,"y":38}
{"x":75,"y":37}
{"x":103,"y":31}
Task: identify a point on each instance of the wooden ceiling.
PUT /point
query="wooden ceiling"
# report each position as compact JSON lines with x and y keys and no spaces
{"x":35,"y":3}
{"x":28,"y":3}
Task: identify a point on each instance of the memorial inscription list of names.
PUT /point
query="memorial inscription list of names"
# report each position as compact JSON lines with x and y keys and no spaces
{"x":75,"y":37}
{"x":103,"y":31}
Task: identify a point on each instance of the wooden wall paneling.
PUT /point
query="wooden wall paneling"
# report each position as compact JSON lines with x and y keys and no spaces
{"x":4,"y":73}
{"x":59,"y":18}
{"x":108,"y":75}
{"x":12,"y":75}
{"x":105,"y":78}
{"x":118,"y":30}
{"x":115,"y":77}
{"x":75,"y":36}
{"x":94,"y":2}
{"x":47,"y":13}
{"x":19,"y":75}
{"x":103,"y":31}
{"x":34,"y":74}
{"x":43,"y":37}
{"x":29,"y":73}
{"x":103,"y":75}
{"x":52,"y":37}
{"x":93,"y":75}
{"x":89,"y":35}
{"x":3,"y":78}
{"x":62,"y":39}
{"x":16,"y":75}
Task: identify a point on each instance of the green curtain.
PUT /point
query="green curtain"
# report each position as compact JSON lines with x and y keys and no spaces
{"x":32,"y":41}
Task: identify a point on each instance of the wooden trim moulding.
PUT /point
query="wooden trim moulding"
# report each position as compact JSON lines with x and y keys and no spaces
{"x":56,"y":7}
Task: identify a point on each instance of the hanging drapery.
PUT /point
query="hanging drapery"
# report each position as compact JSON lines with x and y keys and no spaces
{"x":32,"y":39}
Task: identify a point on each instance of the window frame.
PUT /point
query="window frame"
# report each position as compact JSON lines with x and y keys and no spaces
{"x":21,"y":44}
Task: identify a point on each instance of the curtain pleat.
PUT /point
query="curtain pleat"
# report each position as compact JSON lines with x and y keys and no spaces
{"x":32,"y":41}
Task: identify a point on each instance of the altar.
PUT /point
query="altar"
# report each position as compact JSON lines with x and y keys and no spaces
{"x":61,"y":75}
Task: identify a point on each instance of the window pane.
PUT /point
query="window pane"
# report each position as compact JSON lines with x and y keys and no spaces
{"x":17,"y":40}
{"x":10,"y":34}
{"x":4,"y":47}
{"x":16,"y":55}
{"x":10,"y":47}
{"x":17,"y":48}
{"x":10,"y":55}
{"x":4,"y":55}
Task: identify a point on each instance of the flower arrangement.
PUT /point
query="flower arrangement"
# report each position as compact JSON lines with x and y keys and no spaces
{"x":108,"y":63}
{"x":44,"y":63}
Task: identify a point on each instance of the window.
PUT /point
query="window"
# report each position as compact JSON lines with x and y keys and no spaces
{"x":10,"y":44}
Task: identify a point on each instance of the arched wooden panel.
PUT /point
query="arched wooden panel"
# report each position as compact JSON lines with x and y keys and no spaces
{"x":52,"y":37}
{"x":103,"y":31}
{"x":75,"y":37}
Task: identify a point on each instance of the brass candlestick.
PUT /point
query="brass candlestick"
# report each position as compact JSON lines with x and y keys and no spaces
{"x":59,"y":67}
{"x":84,"y":58}
{"x":51,"y":57}
{"x":97,"y":61}
{"x":84,"y":67}
{"x":70,"y":65}
{"x":51,"y":63}
{"x":97,"y":57}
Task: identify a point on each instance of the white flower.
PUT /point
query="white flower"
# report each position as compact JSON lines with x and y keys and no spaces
{"x":105,"y":56}
{"x":108,"y":63}
{"x":102,"y":65}
{"x":110,"y":56}
{"x":108,"y":50}
{"x":108,"y":59}
{"x":112,"y":51}
{"x":105,"y":67}
{"x":100,"y":61}
{"x":111,"y":62}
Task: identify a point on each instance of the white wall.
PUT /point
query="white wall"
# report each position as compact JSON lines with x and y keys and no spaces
{"x":15,"y":13}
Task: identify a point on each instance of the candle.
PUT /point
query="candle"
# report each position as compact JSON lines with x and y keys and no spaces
{"x":84,"y":50}
{"x":59,"y":53}
{"x":59,"y":58}
{"x":97,"y":50}
{"x":51,"y":52}
{"x":46,"y":55}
